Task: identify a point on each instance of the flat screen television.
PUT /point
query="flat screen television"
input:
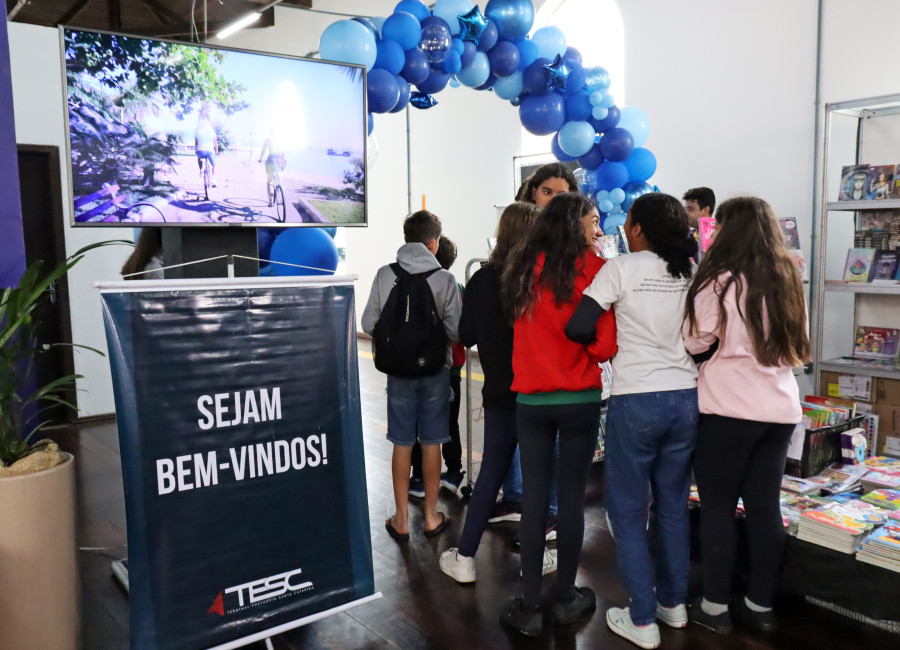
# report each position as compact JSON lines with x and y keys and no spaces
{"x":181,"y":134}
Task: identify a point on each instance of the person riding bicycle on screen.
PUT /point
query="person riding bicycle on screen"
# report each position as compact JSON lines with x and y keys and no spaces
{"x":273,"y":152}
{"x":206,"y":144}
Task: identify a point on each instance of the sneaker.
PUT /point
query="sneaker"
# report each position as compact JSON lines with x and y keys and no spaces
{"x":525,"y":622}
{"x":550,"y":562}
{"x":417,"y":488}
{"x":506,"y":511}
{"x":763,"y":621}
{"x":584,"y":603}
{"x":672,"y":616}
{"x":452,"y":481}
{"x":550,"y":530}
{"x":719,"y":623}
{"x":644,"y":636}
{"x":458,"y":567}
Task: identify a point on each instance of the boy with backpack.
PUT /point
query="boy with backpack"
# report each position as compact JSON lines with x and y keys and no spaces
{"x":413,"y":316}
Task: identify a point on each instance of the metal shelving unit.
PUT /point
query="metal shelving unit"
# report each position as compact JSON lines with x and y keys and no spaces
{"x":863,"y":110}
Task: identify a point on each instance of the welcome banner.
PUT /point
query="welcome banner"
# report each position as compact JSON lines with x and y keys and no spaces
{"x":242,"y":455}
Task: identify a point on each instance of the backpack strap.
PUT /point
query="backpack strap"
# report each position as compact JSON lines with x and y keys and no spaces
{"x":397,"y":269}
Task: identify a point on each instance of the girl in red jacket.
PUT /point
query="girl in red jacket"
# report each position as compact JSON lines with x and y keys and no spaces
{"x":559,"y":389}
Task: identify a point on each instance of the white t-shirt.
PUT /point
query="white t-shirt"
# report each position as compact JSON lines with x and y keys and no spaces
{"x":649,"y":307}
{"x":205,"y":135}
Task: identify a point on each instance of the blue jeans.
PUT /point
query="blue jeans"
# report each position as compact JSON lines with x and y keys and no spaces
{"x":419,"y":408}
{"x":512,"y":485}
{"x":650,"y":438}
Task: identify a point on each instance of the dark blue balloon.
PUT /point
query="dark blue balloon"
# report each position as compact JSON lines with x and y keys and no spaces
{"x":504,"y":58}
{"x":616,"y":144}
{"x":416,"y":68}
{"x":514,"y":18}
{"x":330,"y":231}
{"x":265,"y":237}
{"x":575,"y":82}
{"x":453,"y":63}
{"x":608,"y":122}
{"x":488,"y":37}
{"x":543,"y":114}
{"x":458,"y":46}
{"x":391,"y":56}
{"x":435,"y":20}
{"x":382,"y":89}
{"x":469,"y":52}
{"x":592,"y":159}
{"x":578,"y":107}
{"x":371,"y":124}
{"x":633,"y":190}
{"x":561,"y":155}
{"x":536,"y":78}
{"x":405,"y":91}
{"x":610,"y":175}
{"x":528,"y":53}
{"x":435,"y":83}
{"x":414,"y":7}
{"x":403,"y":28}
{"x":573,"y":55}
{"x":487,"y":85}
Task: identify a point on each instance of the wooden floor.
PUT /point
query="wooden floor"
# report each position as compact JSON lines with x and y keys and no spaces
{"x":421,"y":607}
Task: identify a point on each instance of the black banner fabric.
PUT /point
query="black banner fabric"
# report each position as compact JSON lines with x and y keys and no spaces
{"x":242,"y":456}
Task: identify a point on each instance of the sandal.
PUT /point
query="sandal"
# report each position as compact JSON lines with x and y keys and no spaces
{"x":437,"y":530}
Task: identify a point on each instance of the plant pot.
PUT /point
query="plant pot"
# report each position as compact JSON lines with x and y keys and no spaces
{"x":39,"y":597}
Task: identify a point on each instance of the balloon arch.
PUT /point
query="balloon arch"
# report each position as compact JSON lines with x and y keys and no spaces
{"x":415,"y":53}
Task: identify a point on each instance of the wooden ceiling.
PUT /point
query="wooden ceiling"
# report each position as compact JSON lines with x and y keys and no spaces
{"x":159,"y":18}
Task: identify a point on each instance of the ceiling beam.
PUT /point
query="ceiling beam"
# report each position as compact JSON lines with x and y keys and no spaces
{"x":114,"y":14}
{"x":70,"y":15}
{"x":16,"y":9}
{"x":162,"y":12}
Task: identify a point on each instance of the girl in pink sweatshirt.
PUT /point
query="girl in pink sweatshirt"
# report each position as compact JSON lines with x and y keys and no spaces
{"x":745,"y":324}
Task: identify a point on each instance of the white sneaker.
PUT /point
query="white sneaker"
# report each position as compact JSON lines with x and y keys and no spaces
{"x":458,"y":567}
{"x":619,"y":621}
{"x":550,"y":562}
{"x":672,"y":616}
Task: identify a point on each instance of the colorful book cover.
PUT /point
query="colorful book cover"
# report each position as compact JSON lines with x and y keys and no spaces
{"x":884,"y":266}
{"x":854,"y":183}
{"x":885,"y":498}
{"x":876,"y":342}
{"x":883,"y":463}
{"x":707,"y":231}
{"x":880,"y":178}
{"x":859,"y":264}
{"x":833,"y":402}
{"x":790,"y":233}
{"x":837,"y":516}
{"x":888,"y":536}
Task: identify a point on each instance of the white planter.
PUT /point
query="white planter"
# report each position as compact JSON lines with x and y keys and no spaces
{"x":39,"y":595}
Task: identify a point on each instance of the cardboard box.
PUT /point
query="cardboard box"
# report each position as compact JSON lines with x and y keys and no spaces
{"x":887,"y":391}
{"x":849,"y":386}
{"x":891,"y":447}
{"x":888,"y":419}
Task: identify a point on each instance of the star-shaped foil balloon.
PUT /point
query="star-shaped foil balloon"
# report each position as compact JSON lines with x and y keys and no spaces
{"x":472,"y":23}
{"x":422,"y":100}
{"x":559,"y":73}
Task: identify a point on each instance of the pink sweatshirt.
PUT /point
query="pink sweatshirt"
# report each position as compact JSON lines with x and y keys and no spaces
{"x":733,"y":383}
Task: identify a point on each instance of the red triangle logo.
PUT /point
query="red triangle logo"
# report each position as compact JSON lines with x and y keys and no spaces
{"x":218,"y":606}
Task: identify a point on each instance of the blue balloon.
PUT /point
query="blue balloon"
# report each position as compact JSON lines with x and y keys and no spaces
{"x":306,"y":247}
{"x":489,"y":37}
{"x":509,"y":87}
{"x":607,"y":101}
{"x":265,"y":237}
{"x":633,"y":190}
{"x":450,"y":10}
{"x":416,"y":68}
{"x":435,"y":83}
{"x":435,"y":20}
{"x":422,"y":100}
{"x":617,"y":195}
{"x":528,"y":53}
{"x":612,"y":222}
{"x":472,"y":24}
{"x":349,"y":42}
{"x":592,"y":159}
{"x":469,"y":52}
{"x":404,"y":28}
{"x":616,"y":144}
{"x":514,"y":18}
{"x":573,"y":55}
{"x":504,"y":59}
{"x":597,"y":78}
{"x":605,"y":205}
{"x":435,"y":43}
{"x":453,"y":62}
{"x":550,"y":41}
{"x":543,"y":114}
{"x":587,"y":183}
{"x":578,"y":107}
{"x":636,"y":122}
{"x":368,"y":24}
{"x":382,"y":90}
{"x":488,"y":84}
{"x":458,"y":46}
{"x":391,"y":56}
{"x":371,"y":124}
{"x":610,"y":175}
{"x":476,"y":73}
{"x":414,"y":7}
{"x":641,"y":164}
{"x":555,"y":149}
{"x":575,"y":82}
{"x":609,"y":122}
{"x":576,"y":138}
{"x":378,"y":21}
{"x":405,"y":91}
{"x":599,"y":113}
{"x":536,"y":77}
{"x":454,"y":82}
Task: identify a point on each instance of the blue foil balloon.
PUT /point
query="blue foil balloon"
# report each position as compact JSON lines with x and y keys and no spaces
{"x":597,"y":78}
{"x":306,"y":247}
{"x":514,"y":18}
{"x":415,"y":7}
{"x":633,"y":190}
{"x":416,"y":68}
{"x":555,"y":149}
{"x":451,"y":10}
{"x":349,"y":42}
{"x":391,"y":56}
{"x":543,"y":115}
{"x":509,"y":87}
{"x":472,"y":24}
{"x":403,"y":28}
{"x":422,"y":100}
{"x":558,"y":73}
{"x":489,"y":37}
{"x":435,"y":42}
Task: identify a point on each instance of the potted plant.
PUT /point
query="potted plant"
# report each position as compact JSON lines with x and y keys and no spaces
{"x":38,"y":565}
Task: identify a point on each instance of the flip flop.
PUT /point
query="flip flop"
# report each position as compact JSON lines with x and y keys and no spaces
{"x":393,"y":531}
{"x":437,"y":530}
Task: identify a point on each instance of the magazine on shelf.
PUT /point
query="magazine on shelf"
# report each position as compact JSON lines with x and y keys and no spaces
{"x":859,"y":264}
{"x":854,"y":183}
{"x":880,"y":178}
{"x":876,"y":342}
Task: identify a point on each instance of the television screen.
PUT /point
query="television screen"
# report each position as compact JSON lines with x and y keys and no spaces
{"x":182,"y":134}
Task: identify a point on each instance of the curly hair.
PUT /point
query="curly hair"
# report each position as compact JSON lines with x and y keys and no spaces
{"x":664,"y":223}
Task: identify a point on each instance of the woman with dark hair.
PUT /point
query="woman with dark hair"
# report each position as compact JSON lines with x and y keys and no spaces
{"x":146,"y":257}
{"x":548,"y":181}
{"x":558,"y":386}
{"x":652,"y":421}
{"x":746,"y":311}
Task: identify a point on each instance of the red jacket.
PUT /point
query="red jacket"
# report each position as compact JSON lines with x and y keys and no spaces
{"x":544,"y":359}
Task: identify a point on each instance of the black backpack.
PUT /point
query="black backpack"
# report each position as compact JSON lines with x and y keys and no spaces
{"x":410,"y":340}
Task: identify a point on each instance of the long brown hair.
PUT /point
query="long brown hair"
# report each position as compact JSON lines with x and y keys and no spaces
{"x":148,"y":245}
{"x":544,"y":172}
{"x":749,"y":245}
{"x":512,"y":231}
{"x":558,"y":233}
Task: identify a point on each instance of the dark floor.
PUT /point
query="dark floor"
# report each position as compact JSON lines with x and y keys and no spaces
{"x":421,"y":607}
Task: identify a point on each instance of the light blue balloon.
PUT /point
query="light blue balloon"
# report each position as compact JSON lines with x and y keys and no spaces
{"x":596,"y":78}
{"x":612,"y":222}
{"x":450,"y":10}
{"x":348,"y":41}
{"x":603,"y":195}
{"x":608,"y":101}
{"x":617,"y":195}
{"x":550,"y":42}
{"x":605,"y":205}
{"x":454,"y":82}
{"x":378,"y":21}
{"x":576,"y":138}
{"x":596,"y":98}
{"x":509,"y":87}
{"x":636,"y":122}
{"x":477,"y":72}
{"x":599,"y":113}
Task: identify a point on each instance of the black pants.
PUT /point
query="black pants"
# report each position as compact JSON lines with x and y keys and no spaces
{"x":537,"y":426}
{"x":451,"y":451}
{"x":740,"y":459}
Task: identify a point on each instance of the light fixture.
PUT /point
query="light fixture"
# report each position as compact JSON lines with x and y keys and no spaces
{"x":238,"y":25}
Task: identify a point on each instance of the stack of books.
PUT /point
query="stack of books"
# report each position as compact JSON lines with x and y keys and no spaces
{"x":886,"y":499}
{"x":885,"y":473}
{"x":838,"y":478}
{"x":794,"y":506}
{"x":882,"y":548}
{"x":836,"y":526}
{"x":800,"y":486}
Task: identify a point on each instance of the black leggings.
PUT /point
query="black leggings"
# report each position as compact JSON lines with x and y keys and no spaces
{"x":740,"y":459}
{"x":537,"y":426}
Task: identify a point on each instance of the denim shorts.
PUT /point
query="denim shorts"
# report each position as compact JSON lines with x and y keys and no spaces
{"x":209,"y":155}
{"x":421,"y":405}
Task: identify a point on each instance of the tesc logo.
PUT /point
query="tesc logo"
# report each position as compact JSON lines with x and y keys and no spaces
{"x":256,"y":591}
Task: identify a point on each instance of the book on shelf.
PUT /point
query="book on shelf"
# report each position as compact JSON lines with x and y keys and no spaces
{"x":854,"y":183}
{"x":834,"y":402}
{"x":876,"y":342}
{"x":884,"y":266}
{"x":859,"y":264}
{"x":880,"y":178}
{"x":877,"y":239}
